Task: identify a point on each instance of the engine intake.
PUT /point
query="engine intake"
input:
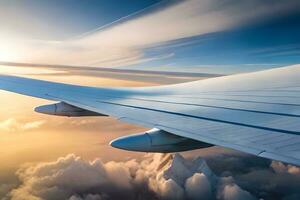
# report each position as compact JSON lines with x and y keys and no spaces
{"x":64,"y":109}
{"x":156,"y":140}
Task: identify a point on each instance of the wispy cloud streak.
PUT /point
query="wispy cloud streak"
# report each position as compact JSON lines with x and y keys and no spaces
{"x":13,"y":125}
{"x":123,"y":42}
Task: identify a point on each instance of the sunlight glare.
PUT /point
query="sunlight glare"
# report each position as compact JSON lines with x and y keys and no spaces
{"x":7,"y":52}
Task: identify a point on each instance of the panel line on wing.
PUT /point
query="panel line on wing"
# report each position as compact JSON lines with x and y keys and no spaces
{"x":236,"y":100}
{"x":251,"y":95}
{"x":210,"y":106}
{"x":206,"y":118}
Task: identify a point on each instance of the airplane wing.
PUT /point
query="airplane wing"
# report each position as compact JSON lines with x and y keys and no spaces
{"x":256,"y":113}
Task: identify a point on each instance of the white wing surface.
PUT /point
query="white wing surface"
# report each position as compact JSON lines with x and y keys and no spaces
{"x":257,"y":113}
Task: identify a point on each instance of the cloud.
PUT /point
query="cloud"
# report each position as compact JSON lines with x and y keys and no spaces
{"x":158,"y":176}
{"x":123,"y":43}
{"x":5,"y":189}
{"x":186,"y":19}
{"x":87,"y":197}
{"x":279,"y":167}
{"x":197,"y":186}
{"x":13,"y":125}
{"x":263,"y":178}
{"x":234,"y":192}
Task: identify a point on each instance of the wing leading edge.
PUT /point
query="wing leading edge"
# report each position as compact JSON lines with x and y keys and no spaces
{"x":257,"y":113}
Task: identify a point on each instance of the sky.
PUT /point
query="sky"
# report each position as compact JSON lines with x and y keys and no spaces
{"x":196,"y":35}
{"x":51,"y":158}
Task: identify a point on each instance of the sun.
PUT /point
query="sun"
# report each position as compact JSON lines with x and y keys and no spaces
{"x":8,"y":51}
{"x":6,"y":56}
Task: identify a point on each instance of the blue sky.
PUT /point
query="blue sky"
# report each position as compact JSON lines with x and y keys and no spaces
{"x":197,"y":35}
{"x":67,"y":17}
{"x":260,"y":45}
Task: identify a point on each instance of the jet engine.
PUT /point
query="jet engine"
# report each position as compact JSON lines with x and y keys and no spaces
{"x":64,"y":109}
{"x":156,"y":140}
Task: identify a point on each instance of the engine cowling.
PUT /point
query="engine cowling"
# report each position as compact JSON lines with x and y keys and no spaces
{"x":64,"y":109}
{"x":156,"y":140}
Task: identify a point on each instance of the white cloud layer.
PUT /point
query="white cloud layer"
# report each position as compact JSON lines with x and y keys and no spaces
{"x":156,"y":177}
{"x":197,"y":186}
{"x":230,"y":175}
{"x":234,"y":192}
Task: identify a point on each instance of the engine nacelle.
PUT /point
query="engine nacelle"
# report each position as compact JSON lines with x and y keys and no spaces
{"x":64,"y":109}
{"x":156,"y":140}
